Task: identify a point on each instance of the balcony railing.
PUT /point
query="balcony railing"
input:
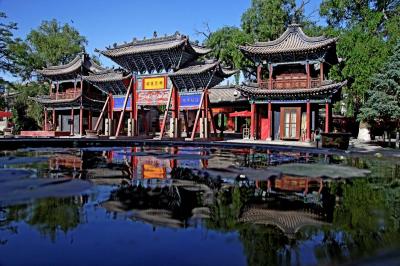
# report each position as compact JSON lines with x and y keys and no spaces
{"x":280,"y":84}
{"x":68,"y":94}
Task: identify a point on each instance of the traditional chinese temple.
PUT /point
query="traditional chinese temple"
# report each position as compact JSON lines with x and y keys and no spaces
{"x":165,"y":70}
{"x":74,"y":105}
{"x":292,"y":86}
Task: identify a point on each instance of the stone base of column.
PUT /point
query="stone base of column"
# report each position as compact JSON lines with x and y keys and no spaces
{"x":108,"y":127}
{"x":131,"y":127}
{"x":174,"y":128}
{"x":204,"y":128}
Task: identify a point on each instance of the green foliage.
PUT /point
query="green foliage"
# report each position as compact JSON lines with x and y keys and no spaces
{"x":28,"y":114}
{"x":368,"y":31}
{"x":224,"y":44}
{"x":51,"y":44}
{"x":267,"y":19}
{"x":383,"y":104}
{"x":6,"y":39}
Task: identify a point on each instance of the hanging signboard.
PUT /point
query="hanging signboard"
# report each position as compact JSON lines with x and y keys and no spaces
{"x":190,"y":101}
{"x":118,"y":103}
{"x":153,"y":98}
{"x":154,"y":83}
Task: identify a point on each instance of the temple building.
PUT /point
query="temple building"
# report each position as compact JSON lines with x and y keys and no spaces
{"x":74,"y":105}
{"x":291,"y":86}
{"x":166,"y":71}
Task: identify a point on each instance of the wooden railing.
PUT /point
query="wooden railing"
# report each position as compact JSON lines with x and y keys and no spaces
{"x":290,"y":84}
{"x":68,"y":94}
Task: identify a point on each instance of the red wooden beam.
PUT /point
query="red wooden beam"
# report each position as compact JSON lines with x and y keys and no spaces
{"x":166,"y":112}
{"x":121,"y":117}
{"x":270,"y":120}
{"x":327,"y":114}
{"x":102,"y":112}
{"x":197,"y":116}
{"x":252,"y":120}
{"x":308,"y":121}
{"x":72,"y":121}
{"x":212,"y":116}
{"x":45,"y":119}
{"x":81,"y":121}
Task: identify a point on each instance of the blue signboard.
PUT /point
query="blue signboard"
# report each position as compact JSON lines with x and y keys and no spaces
{"x":118,"y":102}
{"x":188,"y":101}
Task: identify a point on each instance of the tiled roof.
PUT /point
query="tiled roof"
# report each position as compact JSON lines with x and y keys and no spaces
{"x":153,"y":45}
{"x":291,"y":41}
{"x":201,"y":67}
{"x":109,"y":81}
{"x":199,"y":75}
{"x":226,"y":94}
{"x":72,"y":67}
{"x":252,"y":89}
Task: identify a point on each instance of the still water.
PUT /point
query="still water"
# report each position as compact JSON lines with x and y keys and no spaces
{"x":196,"y":206}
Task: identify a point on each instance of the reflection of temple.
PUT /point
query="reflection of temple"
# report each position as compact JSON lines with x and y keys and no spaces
{"x":66,"y":165}
{"x":290,"y":222}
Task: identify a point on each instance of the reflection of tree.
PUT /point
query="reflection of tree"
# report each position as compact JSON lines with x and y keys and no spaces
{"x":264,"y":245}
{"x":53,"y":214}
{"x":363,"y":222}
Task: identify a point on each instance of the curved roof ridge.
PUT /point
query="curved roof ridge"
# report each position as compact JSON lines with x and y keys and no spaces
{"x":292,"y":40}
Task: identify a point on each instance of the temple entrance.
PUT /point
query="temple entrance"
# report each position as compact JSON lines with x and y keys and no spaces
{"x":290,"y":122}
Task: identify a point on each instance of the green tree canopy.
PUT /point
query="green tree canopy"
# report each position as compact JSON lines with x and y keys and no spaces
{"x":6,"y":39}
{"x":267,"y":19}
{"x":368,"y":31}
{"x":383,"y":104}
{"x":52,"y":43}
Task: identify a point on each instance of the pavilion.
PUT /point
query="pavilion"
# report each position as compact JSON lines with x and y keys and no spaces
{"x":291,"y":86}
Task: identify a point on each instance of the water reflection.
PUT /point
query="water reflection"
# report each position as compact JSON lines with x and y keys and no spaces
{"x":278,"y":218}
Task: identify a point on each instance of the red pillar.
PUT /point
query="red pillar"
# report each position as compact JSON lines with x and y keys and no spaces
{"x":45,"y":119}
{"x":308,"y":121}
{"x":327,"y":117}
{"x":259,"y":79}
{"x":308,"y":75}
{"x":134,"y":108}
{"x":269,"y":121}
{"x":252,"y":120}
{"x":72,"y":121}
{"x":270,"y":77}
{"x":321,"y":71}
{"x":81,"y":121}
{"x":90,"y":119}
{"x":54,"y":119}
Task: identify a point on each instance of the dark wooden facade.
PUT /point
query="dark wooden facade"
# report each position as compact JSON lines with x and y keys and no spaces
{"x":73,"y":104}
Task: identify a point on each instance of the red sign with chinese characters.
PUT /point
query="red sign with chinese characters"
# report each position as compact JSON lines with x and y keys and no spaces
{"x":154,"y":98}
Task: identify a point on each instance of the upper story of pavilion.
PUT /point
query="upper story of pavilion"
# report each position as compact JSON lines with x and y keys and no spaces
{"x":293,"y":61}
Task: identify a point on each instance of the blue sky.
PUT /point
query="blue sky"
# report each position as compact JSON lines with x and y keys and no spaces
{"x":106,"y":22}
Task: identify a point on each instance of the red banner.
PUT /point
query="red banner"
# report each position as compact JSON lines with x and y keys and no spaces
{"x":156,"y":97}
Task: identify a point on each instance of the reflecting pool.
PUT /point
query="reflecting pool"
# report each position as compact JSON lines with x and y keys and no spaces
{"x":196,"y":206}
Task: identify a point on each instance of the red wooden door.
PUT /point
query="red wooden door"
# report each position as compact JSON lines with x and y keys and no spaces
{"x":264,"y":128}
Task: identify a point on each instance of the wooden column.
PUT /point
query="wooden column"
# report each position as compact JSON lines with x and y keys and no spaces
{"x":121,"y":117}
{"x":327,"y":117}
{"x":72,"y":121}
{"x":57,"y":89}
{"x":271,"y":69}
{"x":90,"y":119}
{"x":252,"y":120}
{"x":270,"y":132}
{"x":321,"y":71}
{"x":308,"y":121}
{"x":45,"y":119}
{"x":135,"y":124}
{"x":259,"y":77}
{"x":308,"y":75}
{"x":81,"y":121}
{"x":197,"y":116}
{"x":54,"y":119}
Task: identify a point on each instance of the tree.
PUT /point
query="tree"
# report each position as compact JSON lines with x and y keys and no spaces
{"x":368,"y":31}
{"x":383,"y":104}
{"x":224,"y":44}
{"x":51,"y":44}
{"x":267,"y":19}
{"x":6,"y":39}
